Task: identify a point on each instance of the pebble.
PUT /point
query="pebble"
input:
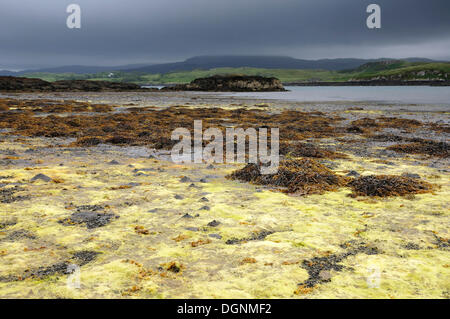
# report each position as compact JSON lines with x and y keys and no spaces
{"x":41,"y":177}
{"x":214,"y":223}
{"x":185,"y":179}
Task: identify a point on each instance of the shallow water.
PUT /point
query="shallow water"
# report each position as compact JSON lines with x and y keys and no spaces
{"x":387,"y":94}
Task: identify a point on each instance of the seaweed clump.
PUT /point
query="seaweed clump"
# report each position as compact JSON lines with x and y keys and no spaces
{"x":300,"y":176}
{"x":388,"y":185}
{"x":427,"y":147}
{"x":308,"y":150}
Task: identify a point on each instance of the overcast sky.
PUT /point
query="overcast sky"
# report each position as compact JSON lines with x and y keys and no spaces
{"x":114,"y":32}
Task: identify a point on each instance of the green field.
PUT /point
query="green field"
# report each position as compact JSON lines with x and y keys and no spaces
{"x":388,"y":70}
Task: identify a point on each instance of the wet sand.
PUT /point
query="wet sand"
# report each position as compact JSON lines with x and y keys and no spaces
{"x":141,"y":226}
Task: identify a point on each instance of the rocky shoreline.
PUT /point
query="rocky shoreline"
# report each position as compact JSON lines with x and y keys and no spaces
{"x":19,"y":84}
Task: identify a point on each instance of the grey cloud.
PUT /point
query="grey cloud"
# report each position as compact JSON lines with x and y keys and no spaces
{"x":117,"y":31}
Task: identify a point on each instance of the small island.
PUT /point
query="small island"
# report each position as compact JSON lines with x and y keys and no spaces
{"x":231,"y":83}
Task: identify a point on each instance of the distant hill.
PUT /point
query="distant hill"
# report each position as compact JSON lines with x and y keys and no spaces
{"x":263,"y":62}
{"x":7,"y":73}
{"x":402,"y":70}
{"x":213,"y":62}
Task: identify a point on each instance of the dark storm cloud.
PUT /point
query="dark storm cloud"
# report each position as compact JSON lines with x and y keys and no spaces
{"x":132,"y":31}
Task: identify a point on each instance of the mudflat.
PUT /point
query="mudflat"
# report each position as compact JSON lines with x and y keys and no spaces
{"x":358,"y":209}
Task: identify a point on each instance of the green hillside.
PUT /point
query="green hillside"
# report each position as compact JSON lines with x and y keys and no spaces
{"x":392,"y":69}
{"x":410,"y":71}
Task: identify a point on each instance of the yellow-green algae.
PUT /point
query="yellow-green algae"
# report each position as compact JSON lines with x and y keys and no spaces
{"x":303,"y":228}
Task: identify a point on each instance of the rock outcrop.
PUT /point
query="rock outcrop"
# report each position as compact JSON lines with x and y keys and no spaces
{"x":231,"y":83}
{"x":11,"y":83}
{"x":18,"y":84}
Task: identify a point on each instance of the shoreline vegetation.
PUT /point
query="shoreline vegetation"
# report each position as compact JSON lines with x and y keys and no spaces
{"x":387,"y":72}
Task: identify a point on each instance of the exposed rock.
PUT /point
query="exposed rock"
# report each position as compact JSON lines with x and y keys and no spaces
{"x":7,"y":195}
{"x":185,"y":179}
{"x":255,"y":236}
{"x":231,"y":83}
{"x":214,"y":223}
{"x":20,"y":234}
{"x":11,"y":83}
{"x":88,"y":215}
{"x":91,"y":219}
{"x":41,"y":177}
{"x":83,"y":85}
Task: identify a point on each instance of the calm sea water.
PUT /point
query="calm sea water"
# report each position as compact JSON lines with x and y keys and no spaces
{"x":387,"y":94}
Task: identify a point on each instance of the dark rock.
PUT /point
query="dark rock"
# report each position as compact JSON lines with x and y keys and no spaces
{"x":205,"y":208}
{"x":6,"y":223}
{"x":214,"y":223}
{"x":114,"y":162}
{"x":41,"y":177}
{"x":185,"y":179}
{"x":85,"y":256}
{"x":178,"y":196}
{"x":255,"y":236}
{"x":204,"y":199}
{"x":217,"y":236}
{"x":412,"y":246}
{"x":20,"y":234}
{"x":230,"y":83}
{"x":10,"y":83}
{"x":187,"y":216}
{"x":89,"y":216}
{"x":80,"y":258}
{"x":7,"y":195}
{"x":317,"y":265}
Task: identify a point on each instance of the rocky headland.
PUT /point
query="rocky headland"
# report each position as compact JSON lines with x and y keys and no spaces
{"x":231,"y":83}
{"x":20,"y":84}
